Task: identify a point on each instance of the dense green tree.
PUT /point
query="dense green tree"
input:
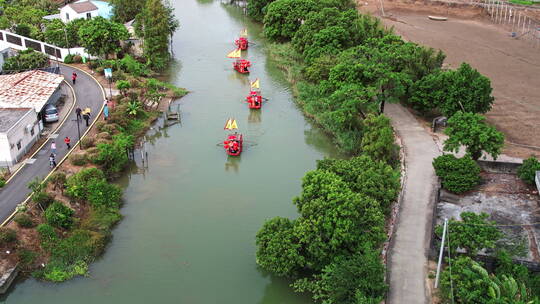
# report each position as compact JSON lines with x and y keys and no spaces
{"x":26,"y":60}
{"x":113,"y":156}
{"x":155,"y":25}
{"x":377,"y":180}
{"x":464,"y":89}
{"x":378,"y":140}
{"x":126,"y":10}
{"x":458,"y":175}
{"x":360,"y":275}
{"x":48,"y":6}
{"x":527,"y":171}
{"x":472,"y":233}
{"x":278,"y":250}
{"x":18,"y":14}
{"x":101,"y":37}
{"x":257,"y":8}
{"x":334,"y":220}
{"x":64,"y":35}
{"x":468,"y":282}
{"x":472,"y":131}
{"x":284,"y":17}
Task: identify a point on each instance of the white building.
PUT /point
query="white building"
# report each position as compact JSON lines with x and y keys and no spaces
{"x":19,"y":130}
{"x":78,"y":10}
{"x":22,"y":98}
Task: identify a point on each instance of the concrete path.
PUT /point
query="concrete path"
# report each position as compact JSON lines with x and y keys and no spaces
{"x":88,"y":94}
{"x":407,"y":263}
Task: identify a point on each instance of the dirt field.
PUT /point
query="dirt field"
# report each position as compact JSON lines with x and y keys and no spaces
{"x":468,"y":36}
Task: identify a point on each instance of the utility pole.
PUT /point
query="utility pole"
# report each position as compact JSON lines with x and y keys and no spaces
{"x":79,"y":132}
{"x":441,"y":252}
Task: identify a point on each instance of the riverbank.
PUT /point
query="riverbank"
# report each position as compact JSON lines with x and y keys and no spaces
{"x":58,"y":245}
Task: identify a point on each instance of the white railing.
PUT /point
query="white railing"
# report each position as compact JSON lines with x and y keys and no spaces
{"x":18,"y":42}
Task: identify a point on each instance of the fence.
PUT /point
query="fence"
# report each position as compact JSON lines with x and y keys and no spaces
{"x":514,"y":19}
{"x":18,"y":42}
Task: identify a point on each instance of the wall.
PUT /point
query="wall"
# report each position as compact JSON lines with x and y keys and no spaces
{"x":18,"y":42}
{"x":10,"y":155}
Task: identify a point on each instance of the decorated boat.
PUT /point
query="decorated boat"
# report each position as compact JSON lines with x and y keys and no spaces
{"x":234,"y":142}
{"x":255,"y":99}
{"x":242,"y":42}
{"x":240,"y":65}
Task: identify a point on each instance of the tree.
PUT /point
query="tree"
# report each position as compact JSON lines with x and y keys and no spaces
{"x":471,"y":130}
{"x":63,"y":35}
{"x":458,"y":175}
{"x":334,"y":220}
{"x":378,"y":140}
{"x":126,"y":10}
{"x":283,"y":17}
{"x":348,"y":278}
{"x":101,"y":37}
{"x":156,"y":23}
{"x":26,"y":60}
{"x":377,"y":180}
{"x":257,"y":8}
{"x":464,"y":89}
{"x":278,"y":250}
{"x":527,"y":171}
{"x":473,"y":233}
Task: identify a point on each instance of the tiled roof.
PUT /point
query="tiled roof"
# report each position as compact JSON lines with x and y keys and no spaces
{"x":30,"y":89}
{"x":83,"y":7}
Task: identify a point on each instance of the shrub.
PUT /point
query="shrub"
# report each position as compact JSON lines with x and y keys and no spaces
{"x":458,"y":175}
{"x":27,"y":257}
{"x":78,"y":159}
{"x":58,"y":180}
{"x":77,"y":59}
{"x":113,"y":157}
{"x":2,"y":182}
{"x":7,"y":235}
{"x":47,"y":235}
{"x":43,"y":199}
{"x":103,"y":194}
{"x":26,"y":60}
{"x":23,"y":220}
{"x":527,"y":170}
{"x":77,"y":184}
{"x":59,"y":215}
{"x":68,"y":59}
{"x":103,"y":135}
{"x":87,"y":142}
{"x":378,"y":140}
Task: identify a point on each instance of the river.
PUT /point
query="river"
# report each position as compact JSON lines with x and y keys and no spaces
{"x":188,"y":233}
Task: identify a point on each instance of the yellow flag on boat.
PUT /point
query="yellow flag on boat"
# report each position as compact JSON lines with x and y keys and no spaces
{"x":231,"y":124}
{"x":235,"y":54}
{"x":255,"y":84}
{"x":243,"y":32}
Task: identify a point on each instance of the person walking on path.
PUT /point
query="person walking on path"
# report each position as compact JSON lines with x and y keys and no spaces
{"x":67,"y":140}
{"x":53,"y":147}
{"x":106,"y":109}
{"x":86,"y":116}
{"x":74,"y":77}
{"x":78,"y":111}
{"x":52,"y":161}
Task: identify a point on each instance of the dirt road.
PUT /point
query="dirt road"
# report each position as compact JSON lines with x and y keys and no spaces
{"x":512,"y":65}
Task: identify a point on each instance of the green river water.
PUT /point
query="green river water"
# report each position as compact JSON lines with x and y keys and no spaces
{"x":188,"y":235}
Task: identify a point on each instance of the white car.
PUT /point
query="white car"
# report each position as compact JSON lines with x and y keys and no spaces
{"x":50,"y":113}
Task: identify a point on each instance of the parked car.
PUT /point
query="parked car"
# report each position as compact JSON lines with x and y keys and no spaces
{"x":50,"y":113}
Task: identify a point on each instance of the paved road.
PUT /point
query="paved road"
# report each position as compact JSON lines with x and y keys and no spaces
{"x":89,"y":94}
{"x":407,"y":265}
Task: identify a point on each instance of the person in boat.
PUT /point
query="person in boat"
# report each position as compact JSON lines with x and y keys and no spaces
{"x":234,"y":147}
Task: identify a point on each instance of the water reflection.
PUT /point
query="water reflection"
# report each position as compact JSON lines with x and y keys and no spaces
{"x":254,"y":116}
{"x":233,"y":164}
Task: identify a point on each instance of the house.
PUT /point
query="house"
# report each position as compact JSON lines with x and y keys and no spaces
{"x":22,"y":99}
{"x":19,"y":130}
{"x":78,"y":10}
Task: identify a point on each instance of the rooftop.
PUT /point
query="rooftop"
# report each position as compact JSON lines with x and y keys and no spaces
{"x":9,"y":117}
{"x":30,"y":89}
{"x":83,"y":7}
